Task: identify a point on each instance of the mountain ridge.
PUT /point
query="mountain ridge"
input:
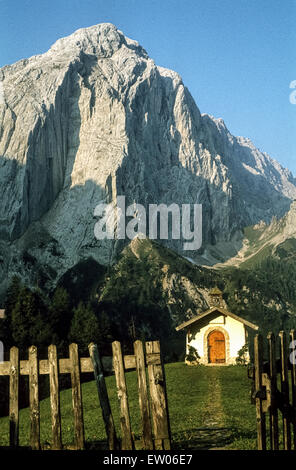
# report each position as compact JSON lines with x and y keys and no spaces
{"x":263,"y":240}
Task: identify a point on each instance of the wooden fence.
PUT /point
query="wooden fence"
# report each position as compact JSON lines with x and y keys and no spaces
{"x":152,"y":394}
{"x":274,"y":392}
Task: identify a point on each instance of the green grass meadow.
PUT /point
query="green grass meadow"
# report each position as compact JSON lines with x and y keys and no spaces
{"x":190,"y":397}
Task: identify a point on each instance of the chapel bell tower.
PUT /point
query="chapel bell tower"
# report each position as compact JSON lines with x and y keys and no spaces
{"x":216,"y":299}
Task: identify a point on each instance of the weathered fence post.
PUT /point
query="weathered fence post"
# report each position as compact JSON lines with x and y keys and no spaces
{"x":14,"y":397}
{"x":76,"y":396}
{"x":273,"y":414}
{"x":143,"y":395}
{"x":285,"y":391}
{"x":293,"y":379}
{"x":127,"y":440}
{"x":157,"y":386}
{"x":103,"y":396}
{"x":54,"y":398}
{"x":260,"y":415}
{"x":34,"y":399}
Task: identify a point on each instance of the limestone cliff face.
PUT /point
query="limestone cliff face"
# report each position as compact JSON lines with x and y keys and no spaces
{"x":94,"y":118}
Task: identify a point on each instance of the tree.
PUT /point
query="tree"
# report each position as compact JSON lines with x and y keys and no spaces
{"x":29,"y":320}
{"x":12,"y":294}
{"x":60,"y":315}
{"x":105,"y":335}
{"x":84,"y":327}
{"x":11,"y":299}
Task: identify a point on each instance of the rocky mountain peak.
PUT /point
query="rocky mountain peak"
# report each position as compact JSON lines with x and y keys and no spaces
{"x":102,"y":40}
{"x":94,"y":118}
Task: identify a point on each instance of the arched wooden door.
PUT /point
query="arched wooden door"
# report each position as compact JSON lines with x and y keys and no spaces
{"x":216,"y":347}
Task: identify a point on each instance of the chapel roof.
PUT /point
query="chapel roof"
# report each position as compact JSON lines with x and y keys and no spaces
{"x":220,"y":310}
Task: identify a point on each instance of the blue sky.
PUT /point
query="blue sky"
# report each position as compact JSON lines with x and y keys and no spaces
{"x":237,"y":57}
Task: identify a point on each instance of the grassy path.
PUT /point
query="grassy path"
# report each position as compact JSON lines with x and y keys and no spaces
{"x":213,"y":413}
{"x":212,"y":434}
